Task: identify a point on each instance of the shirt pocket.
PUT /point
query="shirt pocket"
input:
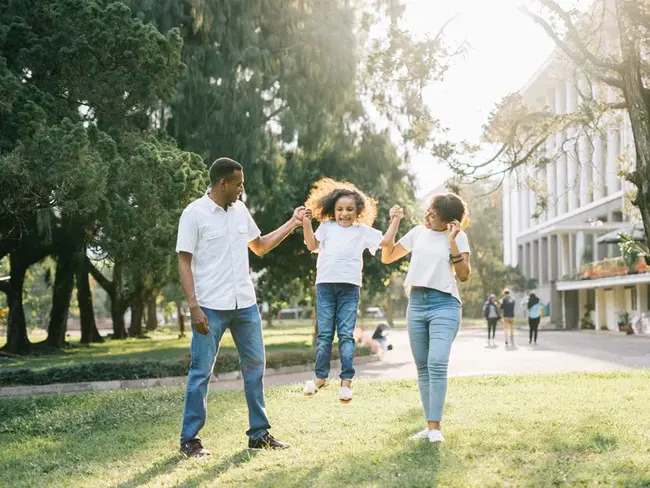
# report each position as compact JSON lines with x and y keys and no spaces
{"x":214,"y":241}
{"x":242,"y":232}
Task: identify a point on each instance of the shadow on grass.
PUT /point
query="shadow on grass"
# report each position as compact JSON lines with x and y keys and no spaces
{"x":212,"y":473}
{"x":161,"y":467}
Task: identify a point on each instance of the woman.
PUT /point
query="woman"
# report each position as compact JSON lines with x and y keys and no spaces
{"x":535,"y":312}
{"x":491,"y":314}
{"x":440,"y":255}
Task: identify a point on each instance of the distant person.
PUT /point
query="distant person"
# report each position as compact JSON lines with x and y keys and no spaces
{"x":380,"y":334}
{"x":440,"y":256}
{"x":535,"y":313}
{"x":346,"y":216}
{"x":508,"y":313}
{"x":491,"y":314}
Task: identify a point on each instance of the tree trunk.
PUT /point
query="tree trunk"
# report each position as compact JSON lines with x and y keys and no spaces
{"x":152,"y":316}
{"x":181,"y":319}
{"x":89,"y":332}
{"x":269,"y":317}
{"x":17,"y":340}
{"x":63,"y":285}
{"x":115,"y":293}
{"x":390,"y":318}
{"x":137,"y":311}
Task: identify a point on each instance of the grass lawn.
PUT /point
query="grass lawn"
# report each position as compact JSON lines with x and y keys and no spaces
{"x":554,"y":430}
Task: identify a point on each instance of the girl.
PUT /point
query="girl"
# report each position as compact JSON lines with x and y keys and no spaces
{"x":346,"y":216}
{"x":535,"y":312}
{"x":440,"y":255}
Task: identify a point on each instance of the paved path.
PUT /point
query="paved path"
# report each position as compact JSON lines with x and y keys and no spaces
{"x":556,"y":352}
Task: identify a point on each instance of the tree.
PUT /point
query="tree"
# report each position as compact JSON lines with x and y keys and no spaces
{"x":608,"y":44}
{"x":77,"y":77}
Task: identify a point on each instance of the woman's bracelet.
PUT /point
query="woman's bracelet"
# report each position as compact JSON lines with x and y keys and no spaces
{"x":460,"y":259}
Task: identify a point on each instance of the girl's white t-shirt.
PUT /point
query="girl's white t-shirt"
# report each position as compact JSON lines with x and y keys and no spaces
{"x":430,"y":264}
{"x":340,"y":251}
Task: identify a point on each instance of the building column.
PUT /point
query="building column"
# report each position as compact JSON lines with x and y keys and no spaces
{"x":595,"y":254}
{"x":540,"y":260}
{"x":613,"y":148}
{"x":571,"y":159}
{"x":598,"y":159}
{"x":580,"y":249}
{"x":507,"y":225}
{"x":561,"y":163}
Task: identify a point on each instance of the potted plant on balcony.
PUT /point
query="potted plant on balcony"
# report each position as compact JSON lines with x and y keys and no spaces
{"x":630,"y":246}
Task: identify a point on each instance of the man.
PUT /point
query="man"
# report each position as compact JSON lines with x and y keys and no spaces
{"x":508,"y":312}
{"x":214,"y":235}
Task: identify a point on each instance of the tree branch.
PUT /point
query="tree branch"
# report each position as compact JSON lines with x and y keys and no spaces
{"x":574,"y":35}
{"x":576,"y":57}
{"x":108,"y":286}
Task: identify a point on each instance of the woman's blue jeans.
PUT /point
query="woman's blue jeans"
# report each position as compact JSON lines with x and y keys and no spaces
{"x":433,"y":319}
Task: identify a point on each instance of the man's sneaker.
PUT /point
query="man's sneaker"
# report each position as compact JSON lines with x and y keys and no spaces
{"x":267,"y":441}
{"x":423,"y":434}
{"x":345,"y":394}
{"x":194,"y":448}
{"x":435,"y":436}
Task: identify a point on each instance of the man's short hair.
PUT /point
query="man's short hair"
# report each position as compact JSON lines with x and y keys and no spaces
{"x":223,"y":168}
{"x":506,"y":292}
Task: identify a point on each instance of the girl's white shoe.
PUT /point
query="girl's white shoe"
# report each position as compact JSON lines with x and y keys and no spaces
{"x":345,"y":394}
{"x":310,"y":388}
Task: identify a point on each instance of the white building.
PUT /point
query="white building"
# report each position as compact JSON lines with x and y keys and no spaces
{"x":583,"y":189}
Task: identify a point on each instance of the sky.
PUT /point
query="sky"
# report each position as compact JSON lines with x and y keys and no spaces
{"x":505,"y":49}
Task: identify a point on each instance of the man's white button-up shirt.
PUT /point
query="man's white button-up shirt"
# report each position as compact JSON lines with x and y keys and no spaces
{"x":218,"y":241}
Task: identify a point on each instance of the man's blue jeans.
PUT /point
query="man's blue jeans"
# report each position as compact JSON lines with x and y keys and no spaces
{"x":336,"y":310}
{"x":433,"y":320}
{"x":246,"y":329}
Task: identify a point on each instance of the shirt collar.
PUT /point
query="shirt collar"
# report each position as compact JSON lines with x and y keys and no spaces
{"x":208,"y":203}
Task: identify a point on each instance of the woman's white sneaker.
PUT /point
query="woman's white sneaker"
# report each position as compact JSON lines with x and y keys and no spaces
{"x":435,"y":435}
{"x":423,"y":434}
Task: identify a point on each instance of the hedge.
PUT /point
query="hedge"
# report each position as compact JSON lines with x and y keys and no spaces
{"x":133,"y":370}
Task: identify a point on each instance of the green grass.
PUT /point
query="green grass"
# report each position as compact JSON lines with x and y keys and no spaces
{"x":573,"y":430}
{"x":159,"y":347}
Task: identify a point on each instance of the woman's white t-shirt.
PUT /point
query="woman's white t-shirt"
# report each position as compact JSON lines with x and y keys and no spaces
{"x":340,"y":251}
{"x":430,"y":265}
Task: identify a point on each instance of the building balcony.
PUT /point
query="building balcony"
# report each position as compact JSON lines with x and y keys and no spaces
{"x":605,"y":273}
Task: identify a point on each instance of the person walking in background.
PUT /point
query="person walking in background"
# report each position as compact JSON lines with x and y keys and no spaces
{"x":508,"y":313}
{"x":491,"y":314}
{"x":535,"y":312}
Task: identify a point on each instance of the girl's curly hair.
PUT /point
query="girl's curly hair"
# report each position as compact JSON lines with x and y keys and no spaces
{"x":326,"y":192}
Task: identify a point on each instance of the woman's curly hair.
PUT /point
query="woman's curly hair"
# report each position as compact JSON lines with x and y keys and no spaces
{"x":326,"y":192}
